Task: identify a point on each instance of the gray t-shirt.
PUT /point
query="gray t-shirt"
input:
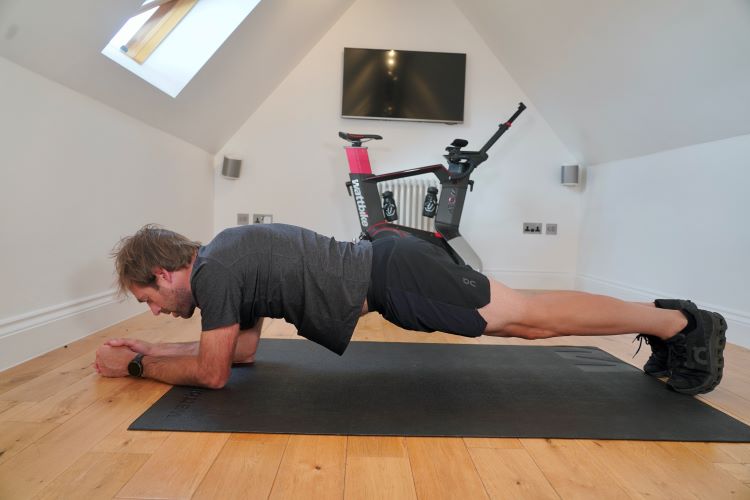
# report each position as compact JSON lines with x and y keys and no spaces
{"x":281,"y":271}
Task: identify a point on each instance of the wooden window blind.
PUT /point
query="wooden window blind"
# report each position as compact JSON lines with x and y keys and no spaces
{"x":162,"y":21}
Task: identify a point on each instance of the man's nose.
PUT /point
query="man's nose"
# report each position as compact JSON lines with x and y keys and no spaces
{"x":155,"y":309}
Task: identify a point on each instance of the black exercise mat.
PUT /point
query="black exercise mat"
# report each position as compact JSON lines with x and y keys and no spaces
{"x":399,"y":389}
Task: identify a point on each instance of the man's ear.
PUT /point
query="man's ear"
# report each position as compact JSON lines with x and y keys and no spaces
{"x":162,"y":274}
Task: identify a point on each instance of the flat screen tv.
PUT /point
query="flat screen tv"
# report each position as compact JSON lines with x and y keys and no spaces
{"x":403,"y":85}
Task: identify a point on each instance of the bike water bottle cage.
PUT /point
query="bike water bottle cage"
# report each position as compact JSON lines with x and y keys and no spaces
{"x":358,"y":139}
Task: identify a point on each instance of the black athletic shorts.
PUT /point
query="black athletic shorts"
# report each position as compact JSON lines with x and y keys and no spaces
{"x":417,"y":286}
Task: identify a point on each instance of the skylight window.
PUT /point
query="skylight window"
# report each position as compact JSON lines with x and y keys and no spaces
{"x":166,"y":42}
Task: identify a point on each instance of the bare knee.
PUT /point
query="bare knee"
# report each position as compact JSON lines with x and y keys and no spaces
{"x":507,"y":307}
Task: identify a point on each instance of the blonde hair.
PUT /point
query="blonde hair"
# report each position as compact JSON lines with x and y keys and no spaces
{"x":152,"y":246}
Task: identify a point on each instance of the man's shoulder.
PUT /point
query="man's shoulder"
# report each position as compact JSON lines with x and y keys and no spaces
{"x":233,"y":237}
{"x":258,"y":231}
{"x":237,"y":243}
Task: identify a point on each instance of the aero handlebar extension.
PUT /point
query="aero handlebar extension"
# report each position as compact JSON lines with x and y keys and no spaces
{"x":462,"y":163}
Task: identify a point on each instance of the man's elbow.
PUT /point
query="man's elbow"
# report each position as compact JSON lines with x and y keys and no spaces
{"x":216,"y":380}
{"x":216,"y":384}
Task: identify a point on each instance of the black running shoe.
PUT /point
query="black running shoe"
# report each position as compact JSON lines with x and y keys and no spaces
{"x":696,"y":355}
{"x":658,"y":363}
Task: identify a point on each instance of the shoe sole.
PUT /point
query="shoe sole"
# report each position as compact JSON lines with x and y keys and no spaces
{"x":717,"y":342}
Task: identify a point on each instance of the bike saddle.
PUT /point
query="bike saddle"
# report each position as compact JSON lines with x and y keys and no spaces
{"x":358,"y":139}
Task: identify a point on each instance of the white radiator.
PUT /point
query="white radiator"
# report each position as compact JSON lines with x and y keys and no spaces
{"x":409,"y":194}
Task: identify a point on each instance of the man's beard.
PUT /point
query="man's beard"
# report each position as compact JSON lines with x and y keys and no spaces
{"x":182,"y":302}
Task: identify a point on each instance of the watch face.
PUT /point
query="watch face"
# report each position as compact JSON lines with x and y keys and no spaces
{"x":135,"y":368}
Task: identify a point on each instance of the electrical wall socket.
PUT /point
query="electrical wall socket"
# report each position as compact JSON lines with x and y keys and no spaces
{"x":243,"y":219}
{"x":551,"y":228}
{"x":532,"y":228}
{"x":262,"y":218}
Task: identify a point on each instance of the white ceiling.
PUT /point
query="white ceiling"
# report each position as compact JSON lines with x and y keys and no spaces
{"x":623,"y":78}
{"x":614,"y":78}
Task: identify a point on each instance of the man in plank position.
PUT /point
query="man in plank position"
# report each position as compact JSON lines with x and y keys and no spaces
{"x":322,"y":286}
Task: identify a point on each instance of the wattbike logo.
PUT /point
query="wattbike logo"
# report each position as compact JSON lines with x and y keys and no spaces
{"x":361,"y":205}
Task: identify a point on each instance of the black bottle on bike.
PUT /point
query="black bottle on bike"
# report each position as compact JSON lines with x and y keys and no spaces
{"x":430,"y":203}
{"x":389,"y":206}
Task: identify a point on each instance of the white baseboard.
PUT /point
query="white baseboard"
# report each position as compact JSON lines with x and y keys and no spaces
{"x":738,"y":322}
{"x":32,"y":334}
{"x":532,"y":280}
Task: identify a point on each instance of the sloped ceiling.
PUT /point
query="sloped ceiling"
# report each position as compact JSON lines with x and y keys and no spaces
{"x":623,"y":78}
{"x":62,"y":41}
{"x":614,"y":78}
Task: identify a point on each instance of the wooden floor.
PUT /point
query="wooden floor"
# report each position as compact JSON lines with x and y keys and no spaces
{"x":63,"y":435}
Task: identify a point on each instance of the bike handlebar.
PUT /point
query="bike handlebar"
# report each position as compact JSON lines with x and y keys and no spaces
{"x":521,"y":107}
{"x":503,"y":127}
{"x":462,"y":163}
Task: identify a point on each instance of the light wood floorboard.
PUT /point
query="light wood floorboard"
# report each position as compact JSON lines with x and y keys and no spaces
{"x":63,"y":434}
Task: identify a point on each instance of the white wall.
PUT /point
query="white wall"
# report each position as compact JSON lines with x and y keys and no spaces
{"x":77,"y":176}
{"x":673,"y":224}
{"x":295,"y":167}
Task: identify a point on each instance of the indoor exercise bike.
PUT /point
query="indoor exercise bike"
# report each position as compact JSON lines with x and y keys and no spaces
{"x":377,"y":218}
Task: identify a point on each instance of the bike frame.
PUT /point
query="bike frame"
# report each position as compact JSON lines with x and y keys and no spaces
{"x":454,"y":181}
{"x":364,"y":187}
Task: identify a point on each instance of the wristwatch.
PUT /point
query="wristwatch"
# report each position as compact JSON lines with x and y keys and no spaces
{"x":135,"y":367}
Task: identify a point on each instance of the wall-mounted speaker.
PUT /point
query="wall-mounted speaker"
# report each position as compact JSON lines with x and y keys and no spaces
{"x":231,"y":168}
{"x":569,"y":175}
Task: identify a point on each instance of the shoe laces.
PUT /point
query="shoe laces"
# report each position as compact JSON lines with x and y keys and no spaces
{"x":678,"y":351}
{"x":640,"y":338}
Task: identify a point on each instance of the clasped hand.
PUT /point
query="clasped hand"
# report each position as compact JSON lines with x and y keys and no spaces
{"x":113,"y":356}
